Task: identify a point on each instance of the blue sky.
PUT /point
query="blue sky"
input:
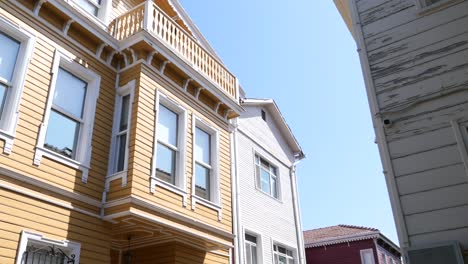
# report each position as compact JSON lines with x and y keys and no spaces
{"x":300,"y":53}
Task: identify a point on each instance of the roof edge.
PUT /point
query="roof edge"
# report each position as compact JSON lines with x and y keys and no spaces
{"x":344,"y":239}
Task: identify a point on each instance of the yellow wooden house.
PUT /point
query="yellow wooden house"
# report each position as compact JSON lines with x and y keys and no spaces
{"x":115,"y":135}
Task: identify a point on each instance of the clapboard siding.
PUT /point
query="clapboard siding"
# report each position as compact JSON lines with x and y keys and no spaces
{"x":432,"y":179}
{"x":419,"y":71}
{"x":268,"y":218}
{"x":20,"y":213}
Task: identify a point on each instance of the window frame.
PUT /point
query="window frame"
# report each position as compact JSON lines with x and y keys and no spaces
{"x":423,"y":7}
{"x":215,"y":191}
{"x":259,"y":247}
{"x":10,"y":113}
{"x":27,"y":236}
{"x":82,"y":158}
{"x":112,"y":173}
{"x":275,"y":254}
{"x":180,"y":186}
{"x":460,"y":129}
{"x":258,"y":177}
{"x":104,"y":10}
{"x":366,"y":251}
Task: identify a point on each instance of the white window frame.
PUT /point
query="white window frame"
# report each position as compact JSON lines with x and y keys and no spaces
{"x":275,"y":255}
{"x":180,"y":186}
{"x":82,"y":157}
{"x":258,"y":177}
{"x":104,"y":10}
{"x":9,"y":116}
{"x":259,"y":244}
{"x":423,"y":7}
{"x":460,"y":130}
{"x":215,"y":191}
{"x":363,"y":252}
{"x":27,"y":236}
{"x":112,"y":174}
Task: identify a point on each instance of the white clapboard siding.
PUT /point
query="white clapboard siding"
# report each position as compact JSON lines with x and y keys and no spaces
{"x":418,"y":66}
{"x":259,"y":213}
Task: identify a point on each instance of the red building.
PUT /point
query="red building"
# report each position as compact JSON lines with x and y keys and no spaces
{"x":344,"y":244}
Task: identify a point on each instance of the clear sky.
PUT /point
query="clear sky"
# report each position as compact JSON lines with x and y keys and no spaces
{"x":300,"y":53}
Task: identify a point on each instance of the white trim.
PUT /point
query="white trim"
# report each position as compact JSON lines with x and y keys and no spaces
{"x":423,"y":8}
{"x":84,"y":147}
{"x":343,"y":239}
{"x":258,"y":180}
{"x":258,"y":235}
{"x":112,"y":173}
{"x":293,"y":249}
{"x":10,"y":114}
{"x":461,"y":136}
{"x":215,"y":191}
{"x":27,"y":236}
{"x":366,"y":251}
{"x":180,"y":186}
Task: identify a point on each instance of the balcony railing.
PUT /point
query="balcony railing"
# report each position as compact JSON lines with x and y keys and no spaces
{"x":149,"y":17}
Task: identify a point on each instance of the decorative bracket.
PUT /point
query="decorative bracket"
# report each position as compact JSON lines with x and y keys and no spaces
{"x":186,"y":84}
{"x":37,"y":6}
{"x":163,"y":66}
{"x":67,"y":25}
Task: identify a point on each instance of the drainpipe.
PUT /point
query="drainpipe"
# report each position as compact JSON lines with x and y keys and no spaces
{"x":297,"y":215}
{"x":236,"y":225}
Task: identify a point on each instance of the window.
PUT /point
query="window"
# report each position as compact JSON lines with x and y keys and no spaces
{"x":66,"y":132}
{"x":431,"y":4}
{"x":367,"y":256}
{"x":267,"y":177}
{"x":170,"y":144}
{"x":17,"y":45}
{"x":205,"y":183}
{"x":263,"y":115}
{"x":282,"y":255}
{"x":250,"y":249}
{"x":35,"y":249}
{"x":121,"y":129}
{"x":96,"y":8}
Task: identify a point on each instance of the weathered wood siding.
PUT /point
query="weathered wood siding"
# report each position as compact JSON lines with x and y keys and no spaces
{"x":419,"y":68}
{"x":141,"y":146}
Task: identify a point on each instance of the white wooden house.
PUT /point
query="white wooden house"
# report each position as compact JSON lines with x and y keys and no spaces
{"x":266,"y":218}
{"x":414,"y":57}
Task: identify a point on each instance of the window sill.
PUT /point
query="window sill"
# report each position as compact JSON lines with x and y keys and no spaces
{"x":9,"y":139}
{"x":437,"y":7}
{"x":209,"y":204}
{"x":268,"y":195}
{"x":172,"y":188}
{"x":41,"y":151}
{"x":118,"y":175}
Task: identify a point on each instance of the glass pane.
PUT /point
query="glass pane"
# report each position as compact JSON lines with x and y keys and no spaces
{"x":167,"y":126}
{"x":8,"y":56}
{"x":274,"y":187}
{"x":282,"y":260}
{"x":88,"y":6}
{"x":265,"y":181}
{"x":431,"y":2}
{"x":62,"y":134}
{"x":202,"y":181}
{"x":251,"y":238}
{"x":265,"y":164}
{"x":165,"y":164}
{"x":124,"y":111}
{"x":202,"y":146}
{"x":254,"y":254}
{"x":3,"y":91}
{"x":70,"y":92}
{"x":248,"y":254}
{"x":257,"y":160}
{"x":121,"y":149}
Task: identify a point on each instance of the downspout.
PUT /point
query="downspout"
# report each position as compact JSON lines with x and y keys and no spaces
{"x":379,"y":128}
{"x":235,"y":193}
{"x":297,"y":215}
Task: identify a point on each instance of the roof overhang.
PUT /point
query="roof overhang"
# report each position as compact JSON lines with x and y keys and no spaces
{"x":343,"y":8}
{"x":343,"y":239}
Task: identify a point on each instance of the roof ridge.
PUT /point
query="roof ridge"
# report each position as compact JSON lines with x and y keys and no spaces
{"x":359,"y":227}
